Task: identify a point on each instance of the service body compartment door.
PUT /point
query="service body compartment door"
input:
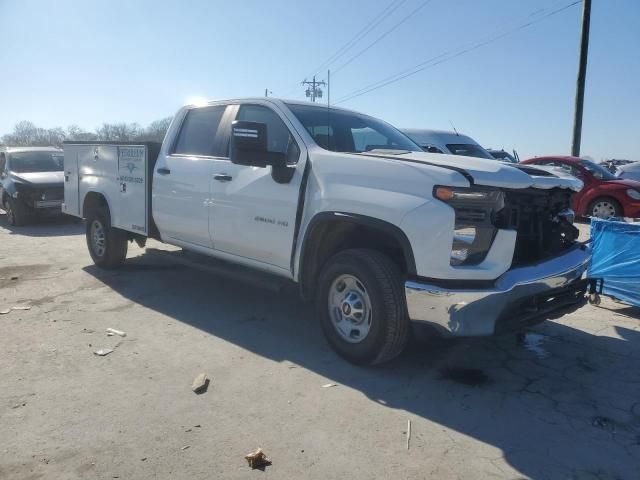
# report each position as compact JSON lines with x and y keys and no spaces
{"x":130,"y":212}
{"x":71,"y":205}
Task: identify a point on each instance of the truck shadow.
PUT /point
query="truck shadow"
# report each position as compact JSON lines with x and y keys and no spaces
{"x":46,"y":226}
{"x":560,"y":403}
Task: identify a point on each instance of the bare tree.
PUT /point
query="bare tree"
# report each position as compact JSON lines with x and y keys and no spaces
{"x":26,"y":133}
{"x":156,"y":130}
{"x":74,"y":132}
{"x":120,"y":132}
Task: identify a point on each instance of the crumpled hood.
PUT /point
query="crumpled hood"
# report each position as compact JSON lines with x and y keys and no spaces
{"x":491,"y":173}
{"x":39,"y":178}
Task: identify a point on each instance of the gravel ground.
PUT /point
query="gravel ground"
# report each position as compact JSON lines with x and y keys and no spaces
{"x":562,"y":404}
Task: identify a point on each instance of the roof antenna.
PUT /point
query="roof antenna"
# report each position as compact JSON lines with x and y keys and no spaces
{"x":454,"y":128}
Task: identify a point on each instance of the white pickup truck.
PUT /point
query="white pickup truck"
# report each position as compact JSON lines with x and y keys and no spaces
{"x":378,"y":232}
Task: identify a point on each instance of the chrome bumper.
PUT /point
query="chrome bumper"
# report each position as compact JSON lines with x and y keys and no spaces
{"x":520,"y":296}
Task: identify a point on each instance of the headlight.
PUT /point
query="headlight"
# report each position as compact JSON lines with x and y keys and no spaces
{"x":447,"y":194}
{"x":474,"y":230}
{"x":635,"y":194}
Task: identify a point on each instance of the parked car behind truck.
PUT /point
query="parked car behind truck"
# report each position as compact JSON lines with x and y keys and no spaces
{"x":350,"y":210}
{"x":441,"y":141}
{"x":604,"y":195}
{"x":31,"y":182}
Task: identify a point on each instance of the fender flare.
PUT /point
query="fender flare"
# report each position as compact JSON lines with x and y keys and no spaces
{"x":356,"y":219}
{"x":102,"y":194}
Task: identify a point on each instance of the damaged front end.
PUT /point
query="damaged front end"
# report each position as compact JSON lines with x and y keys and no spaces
{"x":544,"y":280}
{"x":542,"y":220}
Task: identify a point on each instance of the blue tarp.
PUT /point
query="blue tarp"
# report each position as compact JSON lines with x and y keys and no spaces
{"x":616,"y":258}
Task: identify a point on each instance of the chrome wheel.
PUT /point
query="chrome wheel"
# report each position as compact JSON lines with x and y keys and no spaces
{"x":350,"y":308}
{"x":603,"y":209}
{"x":98,"y":240}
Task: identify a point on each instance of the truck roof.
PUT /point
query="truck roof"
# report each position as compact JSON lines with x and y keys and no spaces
{"x":29,"y":149}
{"x":275,"y":100}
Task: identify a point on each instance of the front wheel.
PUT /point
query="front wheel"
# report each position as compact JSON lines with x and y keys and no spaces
{"x":604,"y":208}
{"x":362,"y":308}
{"x":107,"y":245}
{"x":17,"y":214}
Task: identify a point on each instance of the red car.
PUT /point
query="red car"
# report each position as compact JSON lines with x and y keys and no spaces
{"x":603,"y":195}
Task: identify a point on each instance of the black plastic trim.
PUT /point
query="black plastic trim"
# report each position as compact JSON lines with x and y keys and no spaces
{"x":453,"y":284}
{"x":302,"y":193}
{"x":363,"y":220}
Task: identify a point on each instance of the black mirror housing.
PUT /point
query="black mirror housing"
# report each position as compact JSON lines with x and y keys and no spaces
{"x":249,"y":146}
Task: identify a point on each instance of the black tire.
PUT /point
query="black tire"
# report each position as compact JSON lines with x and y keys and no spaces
{"x":17,"y":212}
{"x":388,"y":332}
{"x":111,"y":252}
{"x":615,"y":207}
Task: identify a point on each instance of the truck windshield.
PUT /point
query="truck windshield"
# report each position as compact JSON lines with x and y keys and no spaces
{"x":341,"y":131}
{"x":26,"y":162}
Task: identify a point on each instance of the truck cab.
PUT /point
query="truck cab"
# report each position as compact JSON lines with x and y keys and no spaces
{"x":376,"y":231}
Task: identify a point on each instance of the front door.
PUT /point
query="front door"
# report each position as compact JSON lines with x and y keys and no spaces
{"x":252,"y":216}
{"x":182,"y":179}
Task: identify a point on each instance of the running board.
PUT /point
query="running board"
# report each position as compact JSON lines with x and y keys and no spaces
{"x":251,"y":276}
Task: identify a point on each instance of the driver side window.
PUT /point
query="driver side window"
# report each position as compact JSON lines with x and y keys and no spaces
{"x":279,"y":139}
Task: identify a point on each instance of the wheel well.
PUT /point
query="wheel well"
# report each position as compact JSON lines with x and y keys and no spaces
{"x":92,"y":201}
{"x":326,"y":238}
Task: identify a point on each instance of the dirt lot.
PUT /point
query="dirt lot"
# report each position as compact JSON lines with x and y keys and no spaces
{"x":565,"y":404}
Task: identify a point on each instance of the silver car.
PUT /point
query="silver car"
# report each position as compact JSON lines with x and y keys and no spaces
{"x":441,"y":141}
{"x":630,"y":171}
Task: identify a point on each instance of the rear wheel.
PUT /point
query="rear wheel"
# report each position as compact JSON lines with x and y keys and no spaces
{"x":362,"y":308}
{"x":605,"y":207}
{"x":107,"y":245}
{"x":17,"y":213}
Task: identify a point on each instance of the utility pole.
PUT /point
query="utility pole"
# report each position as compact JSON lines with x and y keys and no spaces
{"x":582,"y":73}
{"x":314,"y":91}
{"x":267,"y":92}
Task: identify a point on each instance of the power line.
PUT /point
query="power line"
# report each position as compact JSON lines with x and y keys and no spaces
{"x":432,"y":61}
{"x":394,"y":27}
{"x":389,"y":9}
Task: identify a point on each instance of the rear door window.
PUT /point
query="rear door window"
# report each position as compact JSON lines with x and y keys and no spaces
{"x":198,"y":134}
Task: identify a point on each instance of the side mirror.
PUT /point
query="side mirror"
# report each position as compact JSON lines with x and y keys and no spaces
{"x":249,"y":146}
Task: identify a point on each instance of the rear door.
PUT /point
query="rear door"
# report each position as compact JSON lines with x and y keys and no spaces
{"x":181,"y":193}
{"x":252,"y":216}
{"x":132,"y":180}
{"x":71,"y":205}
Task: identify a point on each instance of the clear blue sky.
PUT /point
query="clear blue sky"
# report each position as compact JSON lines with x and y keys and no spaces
{"x":87,"y":62}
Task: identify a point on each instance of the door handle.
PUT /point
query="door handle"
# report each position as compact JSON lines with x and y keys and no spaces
{"x":222,"y":177}
{"x":163,"y":171}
